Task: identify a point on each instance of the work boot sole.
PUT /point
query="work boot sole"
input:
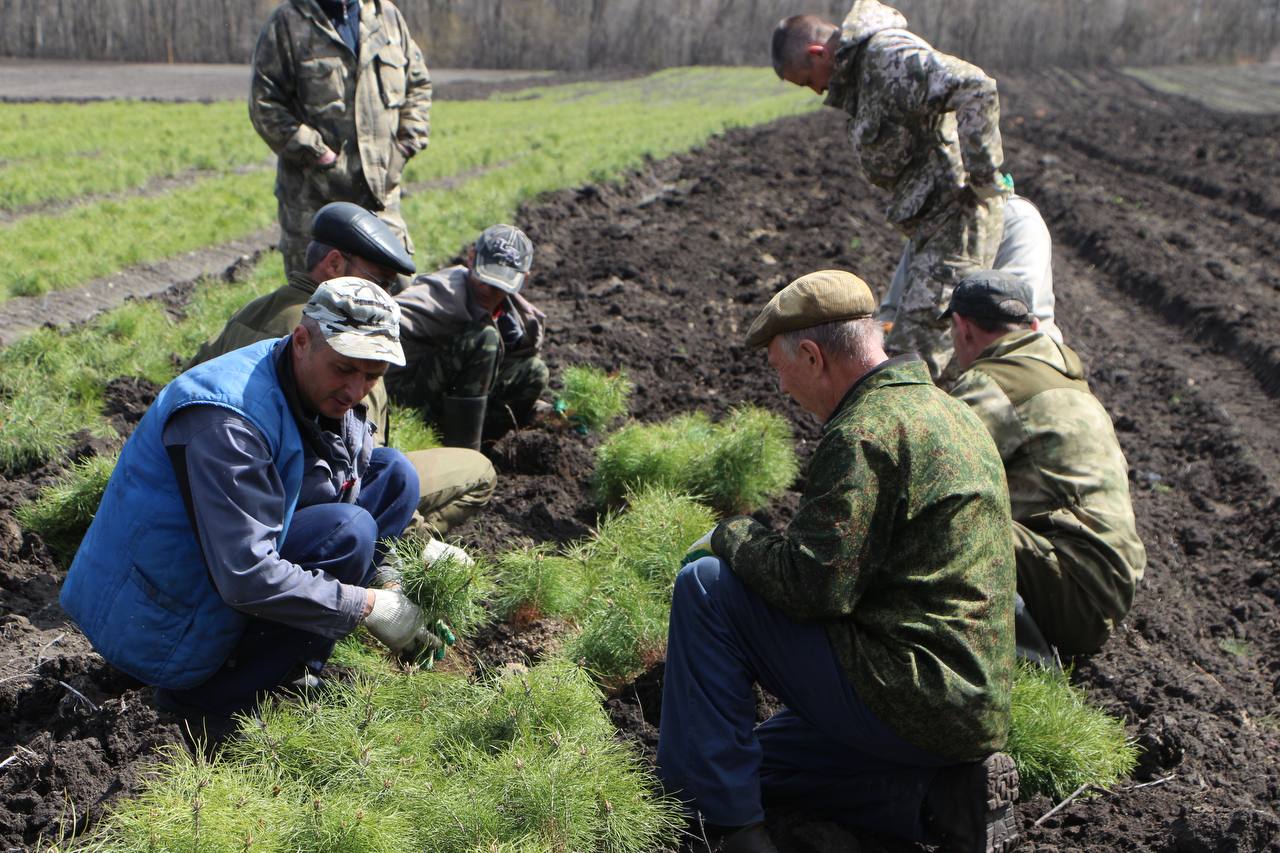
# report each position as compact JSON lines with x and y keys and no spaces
{"x":995,"y":782}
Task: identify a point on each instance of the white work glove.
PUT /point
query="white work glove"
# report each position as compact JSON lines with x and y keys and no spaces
{"x":437,"y":550}
{"x":398,"y":624}
{"x":699,"y":549}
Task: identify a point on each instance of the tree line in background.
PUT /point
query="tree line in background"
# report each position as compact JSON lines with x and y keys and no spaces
{"x":587,"y":34}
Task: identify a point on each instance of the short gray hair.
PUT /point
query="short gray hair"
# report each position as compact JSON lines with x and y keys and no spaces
{"x":317,"y":252}
{"x":843,"y":339}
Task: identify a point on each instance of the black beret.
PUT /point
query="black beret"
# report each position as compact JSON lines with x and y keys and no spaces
{"x":352,"y":229}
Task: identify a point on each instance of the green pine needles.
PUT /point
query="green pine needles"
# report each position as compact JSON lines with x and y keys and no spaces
{"x":1059,"y":740}
{"x":447,"y":589}
{"x":615,"y":587}
{"x":426,"y":761}
{"x":62,"y":512}
{"x":736,"y":465}
{"x":593,"y":399}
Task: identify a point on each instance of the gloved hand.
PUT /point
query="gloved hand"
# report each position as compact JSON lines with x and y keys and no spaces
{"x":399,"y":625}
{"x":699,"y":549}
{"x":437,"y":550}
{"x":1001,"y":183}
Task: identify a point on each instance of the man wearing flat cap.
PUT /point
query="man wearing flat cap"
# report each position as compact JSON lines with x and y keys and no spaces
{"x":240,"y":531}
{"x":1079,"y":558}
{"x":882,"y":616}
{"x":347,"y":240}
{"x":472,"y":343}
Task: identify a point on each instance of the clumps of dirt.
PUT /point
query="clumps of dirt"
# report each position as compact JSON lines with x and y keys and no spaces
{"x":126,"y":399}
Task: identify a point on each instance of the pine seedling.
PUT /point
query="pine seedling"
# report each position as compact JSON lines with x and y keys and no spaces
{"x":62,"y":512}
{"x":593,"y":399}
{"x":533,"y":582}
{"x":409,"y":432}
{"x":620,"y":639}
{"x":448,"y":589}
{"x":735,"y":465}
{"x":648,"y":541}
{"x":1059,"y":741}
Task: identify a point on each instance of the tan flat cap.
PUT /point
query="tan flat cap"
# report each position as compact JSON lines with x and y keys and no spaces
{"x":820,"y":297}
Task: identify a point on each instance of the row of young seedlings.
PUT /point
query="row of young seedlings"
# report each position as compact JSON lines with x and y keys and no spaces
{"x":397,"y":761}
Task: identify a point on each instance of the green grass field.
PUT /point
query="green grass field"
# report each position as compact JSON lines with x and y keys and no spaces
{"x":503,"y":150}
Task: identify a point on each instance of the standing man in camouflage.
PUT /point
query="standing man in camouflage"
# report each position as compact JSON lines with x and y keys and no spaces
{"x":341,"y":93}
{"x":1076,"y":543}
{"x":472,"y":343}
{"x":347,"y":240}
{"x":882,"y":616}
{"x":926,"y":127}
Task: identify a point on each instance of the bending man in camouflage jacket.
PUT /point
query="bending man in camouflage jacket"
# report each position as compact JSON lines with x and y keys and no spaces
{"x":1077,"y":546}
{"x":926,"y":127}
{"x":453,"y":484}
{"x":882,"y":616}
{"x":472,"y":343}
{"x":341,"y":94}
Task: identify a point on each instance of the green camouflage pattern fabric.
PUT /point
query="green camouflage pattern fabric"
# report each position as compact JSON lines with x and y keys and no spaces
{"x":472,"y":363}
{"x":901,"y":547}
{"x":310,"y":95}
{"x":1077,"y":546}
{"x":274,"y":315}
{"x":926,"y":127}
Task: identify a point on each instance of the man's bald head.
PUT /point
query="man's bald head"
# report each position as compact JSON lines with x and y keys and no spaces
{"x":791,"y":40}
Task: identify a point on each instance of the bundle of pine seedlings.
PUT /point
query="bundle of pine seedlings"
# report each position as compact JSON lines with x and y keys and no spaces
{"x":614,"y":587}
{"x":735,"y":466}
{"x":423,"y":762}
{"x":593,"y":400}
{"x":1060,"y":741}
{"x":63,"y":510}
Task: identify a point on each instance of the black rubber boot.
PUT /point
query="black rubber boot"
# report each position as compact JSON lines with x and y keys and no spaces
{"x":752,"y":838}
{"x":969,"y":807}
{"x":462,"y":421}
{"x":1030,"y":643}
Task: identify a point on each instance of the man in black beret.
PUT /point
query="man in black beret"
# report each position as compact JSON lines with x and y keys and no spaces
{"x":347,"y":240}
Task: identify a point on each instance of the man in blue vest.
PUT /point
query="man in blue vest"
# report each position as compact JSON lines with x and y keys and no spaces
{"x":239,"y":534}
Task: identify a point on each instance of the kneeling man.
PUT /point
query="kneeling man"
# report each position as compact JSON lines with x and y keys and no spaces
{"x":882,"y":616}
{"x":1075,"y":539}
{"x":238,"y":536}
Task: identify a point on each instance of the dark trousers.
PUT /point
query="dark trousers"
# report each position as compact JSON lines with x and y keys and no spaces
{"x":338,"y":539}
{"x":825,"y":753}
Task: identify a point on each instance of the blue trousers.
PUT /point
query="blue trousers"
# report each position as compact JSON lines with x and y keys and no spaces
{"x":341,"y":540}
{"x":826,"y":752}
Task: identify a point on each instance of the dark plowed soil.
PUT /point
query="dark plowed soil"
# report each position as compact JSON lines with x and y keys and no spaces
{"x":1166,"y":281}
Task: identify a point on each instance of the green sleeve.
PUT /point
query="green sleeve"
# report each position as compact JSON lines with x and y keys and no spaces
{"x":817,"y":569}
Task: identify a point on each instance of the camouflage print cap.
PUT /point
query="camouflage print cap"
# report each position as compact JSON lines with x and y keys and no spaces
{"x":992,"y":295}
{"x":503,"y":257}
{"x":358,"y":319}
{"x":826,"y":296}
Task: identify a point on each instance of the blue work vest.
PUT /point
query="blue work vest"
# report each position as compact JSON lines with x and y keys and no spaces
{"x":139,"y":587}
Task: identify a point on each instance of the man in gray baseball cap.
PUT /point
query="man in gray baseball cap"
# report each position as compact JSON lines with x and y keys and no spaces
{"x":254,"y":506}
{"x":1079,"y":557}
{"x":472,"y":342}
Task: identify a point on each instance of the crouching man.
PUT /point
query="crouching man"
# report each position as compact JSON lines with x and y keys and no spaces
{"x":882,"y":616}
{"x":238,"y":536}
{"x":1075,"y":540}
{"x":472,"y":343}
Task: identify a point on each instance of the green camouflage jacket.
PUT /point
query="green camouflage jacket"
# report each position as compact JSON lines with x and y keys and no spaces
{"x":901,"y":547}
{"x":310,"y":94}
{"x":274,"y":315}
{"x":923,"y":124}
{"x":1068,"y":479}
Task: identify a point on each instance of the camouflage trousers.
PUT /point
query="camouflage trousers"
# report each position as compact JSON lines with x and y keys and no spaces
{"x":1063,"y":610}
{"x":473,"y":364}
{"x":949,"y":243}
{"x":296,"y":215}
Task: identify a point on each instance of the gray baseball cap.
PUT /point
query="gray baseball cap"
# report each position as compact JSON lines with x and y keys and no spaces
{"x":357,"y":319}
{"x":991,"y":295}
{"x":503,"y":257}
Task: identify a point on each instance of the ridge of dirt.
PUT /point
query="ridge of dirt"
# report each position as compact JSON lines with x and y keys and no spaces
{"x":660,"y":274}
